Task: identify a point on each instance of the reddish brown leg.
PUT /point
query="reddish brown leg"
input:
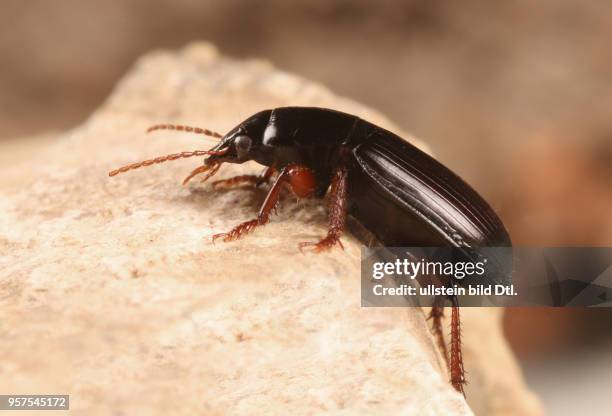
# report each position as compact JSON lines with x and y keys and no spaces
{"x":456,"y":359}
{"x":250,"y":180}
{"x":436,"y":315}
{"x":337,"y":212}
{"x":264,"y":213}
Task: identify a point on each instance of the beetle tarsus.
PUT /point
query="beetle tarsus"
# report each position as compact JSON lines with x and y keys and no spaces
{"x":323,"y":245}
{"x":238,"y":231}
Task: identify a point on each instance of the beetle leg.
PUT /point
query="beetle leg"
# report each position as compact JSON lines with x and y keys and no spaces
{"x":436,"y":315}
{"x":337,"y":212}
{"x":251,"y":180}
{"x":235,"y":181}
{"x":264,"y":213}
{"x":456,"y":358}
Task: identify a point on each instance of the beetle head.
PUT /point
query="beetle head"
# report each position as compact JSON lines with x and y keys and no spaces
{"x":243,"y":142}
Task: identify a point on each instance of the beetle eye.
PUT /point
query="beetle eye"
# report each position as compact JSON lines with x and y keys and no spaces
{"x":242,"y":145}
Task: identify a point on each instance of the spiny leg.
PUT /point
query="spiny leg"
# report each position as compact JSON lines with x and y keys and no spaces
{"x":337,"y":211}
{"x":251,"y":180}
{"x":456,"y":359}
{"x":264,"y":213}
{"x":436,"y":315}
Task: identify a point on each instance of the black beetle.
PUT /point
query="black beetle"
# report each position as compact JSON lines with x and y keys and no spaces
{"x":400,"y":194}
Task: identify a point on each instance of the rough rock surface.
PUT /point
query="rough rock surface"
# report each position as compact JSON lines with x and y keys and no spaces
{"x":111,"y":290}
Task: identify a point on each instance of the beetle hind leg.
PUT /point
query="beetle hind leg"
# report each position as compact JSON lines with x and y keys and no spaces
{"x":456,"y":358}
{"x":436,"y":315}
{"x":455,"y":362}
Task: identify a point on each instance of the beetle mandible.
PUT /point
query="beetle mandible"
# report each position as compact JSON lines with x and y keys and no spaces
{"x":403,"y":196}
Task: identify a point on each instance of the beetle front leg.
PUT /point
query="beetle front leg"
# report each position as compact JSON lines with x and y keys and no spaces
{"x":337,"y":211}
{"x":250,"y":180}
{"x":264,"y":213}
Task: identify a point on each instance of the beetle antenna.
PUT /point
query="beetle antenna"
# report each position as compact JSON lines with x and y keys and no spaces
{"x":189,"y":129}
{"x":162,"y":159}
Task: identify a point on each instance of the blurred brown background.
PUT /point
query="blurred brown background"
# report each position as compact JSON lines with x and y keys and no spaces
{"x":515,"y":97}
